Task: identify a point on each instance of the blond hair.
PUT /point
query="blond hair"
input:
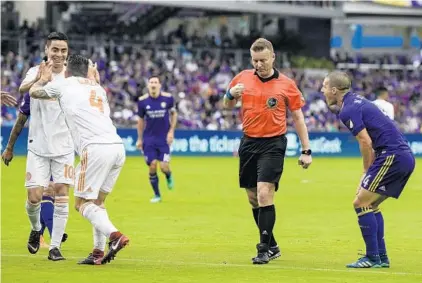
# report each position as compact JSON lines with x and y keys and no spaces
{"x":339,"y":80}
{"x":261,"y":44}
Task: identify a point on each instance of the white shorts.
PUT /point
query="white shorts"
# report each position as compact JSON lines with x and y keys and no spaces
{"x":40,"y":169}
{"x":98,"y":170}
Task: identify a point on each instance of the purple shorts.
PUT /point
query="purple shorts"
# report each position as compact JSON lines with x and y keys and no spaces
{"x":156,"y":152}
{"x":389,"y":173}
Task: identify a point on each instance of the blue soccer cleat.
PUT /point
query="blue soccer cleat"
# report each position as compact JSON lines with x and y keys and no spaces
{"x":385,"y":262}
{"x":155,"y":199}
{"x":170,"y":182}
{"x":366,"y":262}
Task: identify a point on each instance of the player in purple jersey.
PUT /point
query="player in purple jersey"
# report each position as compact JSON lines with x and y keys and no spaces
{"x":156,"y":124}
{"x":388,"y":162}
{"x":47,"y":202}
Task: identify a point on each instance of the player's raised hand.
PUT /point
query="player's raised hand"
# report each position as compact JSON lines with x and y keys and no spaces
{"x":38,"y":77}
{"x":170,"y":138}
{"x":237,"y":90}
{"x":7,"y":99}
{"x":46,"y":71}
{"x":7,"y":156}
{"x":139,"y":144}
{"x":305,"y":161}
{"x":93,"y":73}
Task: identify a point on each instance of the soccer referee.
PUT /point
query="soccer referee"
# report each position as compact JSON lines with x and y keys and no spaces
{"x":265,"y":95}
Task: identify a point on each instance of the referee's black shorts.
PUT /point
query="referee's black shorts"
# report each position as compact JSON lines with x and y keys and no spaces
{"x":261,"y":160}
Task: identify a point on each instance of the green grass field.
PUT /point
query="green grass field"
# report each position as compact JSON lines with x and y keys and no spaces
{"x":204,"y":230}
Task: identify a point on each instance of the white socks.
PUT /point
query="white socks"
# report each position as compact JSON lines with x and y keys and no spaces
{"x":33,"y":211}
{"x":98,"y":217}
{"x":60,"y":216}
{"x":100,"y":240}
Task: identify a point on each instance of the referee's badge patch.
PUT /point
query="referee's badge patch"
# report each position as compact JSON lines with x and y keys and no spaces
{"x":272,"y":102}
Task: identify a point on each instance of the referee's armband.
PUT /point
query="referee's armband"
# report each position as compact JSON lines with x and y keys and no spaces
{"x":229,"y":95}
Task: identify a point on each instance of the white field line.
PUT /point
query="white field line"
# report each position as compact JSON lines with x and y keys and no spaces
{"x":210,"y":264}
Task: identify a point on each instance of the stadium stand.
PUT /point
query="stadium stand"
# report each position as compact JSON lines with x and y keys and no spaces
{"x":198,"y":84}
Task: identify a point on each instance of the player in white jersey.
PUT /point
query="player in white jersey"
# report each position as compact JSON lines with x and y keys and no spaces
{"x":85,"y":106}
{"x":50,"y":151}
{"x":382,"y":102}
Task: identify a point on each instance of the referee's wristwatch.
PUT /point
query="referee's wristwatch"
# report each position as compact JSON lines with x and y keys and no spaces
{"x":307,"y":152}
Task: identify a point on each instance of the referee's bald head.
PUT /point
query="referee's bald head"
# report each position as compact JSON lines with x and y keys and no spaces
{"x":340,"y":80}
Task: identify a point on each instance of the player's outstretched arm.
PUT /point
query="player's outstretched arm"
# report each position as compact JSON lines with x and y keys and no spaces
{"x":365,"y":146}
{"x":27,"y":84}
{"x":7,"y":155}
{"x":7,"y":99}
{"x":37,"y":91}
{"x":24,"y":88}
{"x":302,"y":132}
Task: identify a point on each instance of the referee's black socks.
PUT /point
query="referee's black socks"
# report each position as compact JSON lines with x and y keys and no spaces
{"x":265,"y":219}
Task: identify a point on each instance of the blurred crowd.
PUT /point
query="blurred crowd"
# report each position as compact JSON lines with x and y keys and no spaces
{"x":405,"y":89}
{"x":198,"y":83}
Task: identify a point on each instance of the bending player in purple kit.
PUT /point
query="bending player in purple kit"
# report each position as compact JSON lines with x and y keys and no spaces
{"x":156,"y":124}
{"x":388,"y":163}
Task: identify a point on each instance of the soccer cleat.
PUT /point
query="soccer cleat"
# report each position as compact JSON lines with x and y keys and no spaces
{"x":170,"y":182}
{"x":34,"y":242}
{"x":274,"y":252}
{"x":385,"y":262}
{"x":366,"y":262}
{"x":262,"y":256}
{"x":114,"y":246}
{"x":155,"y":199}
{"x":55,"y":255}
{"x":93,"y":258}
